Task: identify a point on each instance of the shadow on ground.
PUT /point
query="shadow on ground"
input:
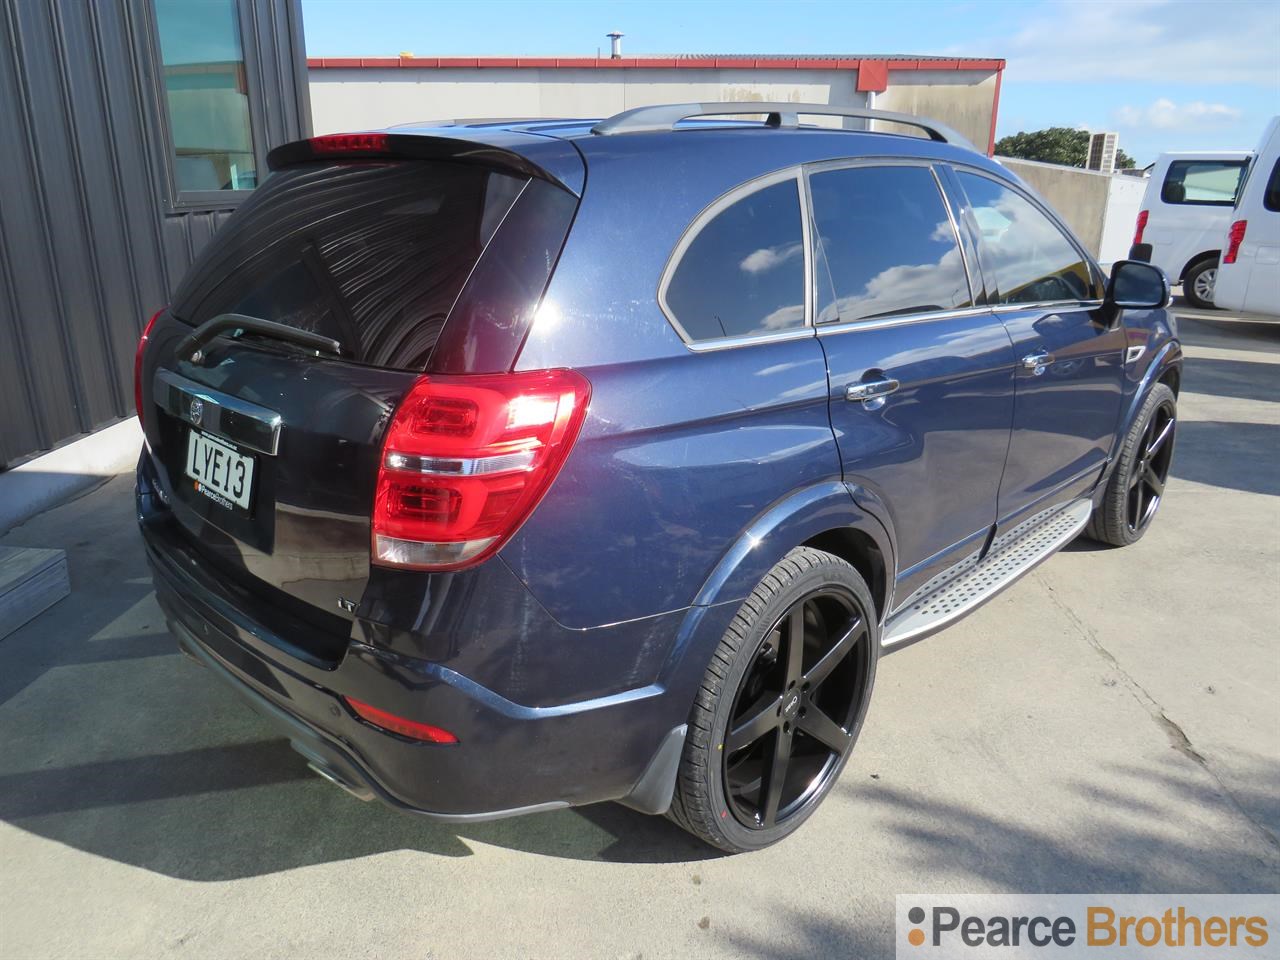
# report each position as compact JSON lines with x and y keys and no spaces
{"x":1209,"y":329}
{"x":1240,"y":379}
{"x":1239,"y":456}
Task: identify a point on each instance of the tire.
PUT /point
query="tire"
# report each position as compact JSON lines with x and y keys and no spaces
{"x":836,"y":613}
{"x":1197,"y":285}
{"x":1141,"y":473}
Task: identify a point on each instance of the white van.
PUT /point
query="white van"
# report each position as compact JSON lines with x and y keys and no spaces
{"x":1185,"y":214}
{"x":1249,"y":274}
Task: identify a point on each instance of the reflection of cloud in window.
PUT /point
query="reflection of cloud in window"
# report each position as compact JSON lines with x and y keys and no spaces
{"x":767,"y":258}
{"x":942,"y":233}
{"x":784,"y":317}
{"x":1025,"y":249}
{"x":909,"y":288}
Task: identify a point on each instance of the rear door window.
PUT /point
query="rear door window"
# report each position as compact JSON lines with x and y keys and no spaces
{"x":371,"y":254}
{"x":887,"y":244}
{"x":742,"y":273}
{"x":1026,"y":258}
{"x":1212,"y":183}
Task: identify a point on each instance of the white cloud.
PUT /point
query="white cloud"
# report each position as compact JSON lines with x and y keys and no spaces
{"x":766,"y":258}
{"x":1200,"y":42}
{"x":1164,"y":114}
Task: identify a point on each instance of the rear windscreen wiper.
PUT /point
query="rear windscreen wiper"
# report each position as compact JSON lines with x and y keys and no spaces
{"x":191,"y":344}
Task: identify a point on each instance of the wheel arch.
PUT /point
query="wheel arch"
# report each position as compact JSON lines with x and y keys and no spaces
{"x":1203,"y":255}
{"x":858,"y":549}
{"x":1165,"y":367}
{"x":825,"y":516}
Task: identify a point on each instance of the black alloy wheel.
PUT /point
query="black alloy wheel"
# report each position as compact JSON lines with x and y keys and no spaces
{"x":790,"y":719}
{"x":1134,"y":491}
{"x":1151,"y":472}
{"x":780,"y":706}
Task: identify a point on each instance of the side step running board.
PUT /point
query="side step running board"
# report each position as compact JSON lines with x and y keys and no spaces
{"x":1012,"y":555}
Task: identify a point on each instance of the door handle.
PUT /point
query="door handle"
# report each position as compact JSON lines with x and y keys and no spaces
{"x":1036,"y":362}
{"x":871,"y":389}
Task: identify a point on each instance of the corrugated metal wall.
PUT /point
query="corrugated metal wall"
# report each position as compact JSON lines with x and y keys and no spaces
{"x":90,"y":243}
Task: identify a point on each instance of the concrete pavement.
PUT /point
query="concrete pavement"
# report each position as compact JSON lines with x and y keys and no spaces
{"x":1110,"y":724}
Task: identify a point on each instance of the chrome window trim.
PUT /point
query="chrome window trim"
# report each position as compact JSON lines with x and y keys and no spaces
{"x":696,"y":226}
{"x":727,"y":343}
{"x":880,"y":323}
{"x":823,"y":166}
{"x":1041,"y":304}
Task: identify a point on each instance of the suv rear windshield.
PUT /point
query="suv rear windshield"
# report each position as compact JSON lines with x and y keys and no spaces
{"x":373,"y":255}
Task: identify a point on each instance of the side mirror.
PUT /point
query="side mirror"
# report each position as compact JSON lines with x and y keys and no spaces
{"x":1135,"y":285}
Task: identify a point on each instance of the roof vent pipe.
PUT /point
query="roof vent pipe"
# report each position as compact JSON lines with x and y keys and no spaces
{"x":615,"y":41}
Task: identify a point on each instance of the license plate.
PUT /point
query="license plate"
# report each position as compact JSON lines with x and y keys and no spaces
{"x":219,"y":470}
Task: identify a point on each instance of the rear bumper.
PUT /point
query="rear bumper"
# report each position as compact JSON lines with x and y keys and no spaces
{"x":324,"y":753}
{"x":510,"y":759}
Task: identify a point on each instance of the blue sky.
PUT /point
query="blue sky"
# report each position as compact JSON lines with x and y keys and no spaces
{"x":1166,"y":74}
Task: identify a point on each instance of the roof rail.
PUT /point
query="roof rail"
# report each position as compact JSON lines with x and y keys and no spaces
{"x":664,"y":117}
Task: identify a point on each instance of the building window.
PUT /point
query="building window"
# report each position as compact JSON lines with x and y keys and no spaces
{"x":207,"y":95}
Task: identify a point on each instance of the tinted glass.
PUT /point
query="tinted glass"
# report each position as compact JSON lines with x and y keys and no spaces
{"x":1271,"y":197}
{"x":744,"y":271}
{"x":208,"y":95}
{"x":1202,"y":182}
{"x":1025,"y":257}
{"x":371,"y":254}
{"x":888,"y":245}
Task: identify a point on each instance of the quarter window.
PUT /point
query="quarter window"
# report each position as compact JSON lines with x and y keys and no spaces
{"x":1025,"y":257}
{"x":888,"y":246}
{"x":743,"y":272}
{"x":207,"y":94}
{"x":1211,"y":183}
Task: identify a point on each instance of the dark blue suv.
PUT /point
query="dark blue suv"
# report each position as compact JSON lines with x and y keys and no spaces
{"x":510,"y":466}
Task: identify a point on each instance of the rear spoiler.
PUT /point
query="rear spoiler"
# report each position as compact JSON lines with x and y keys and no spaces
{"x":556,"y":161}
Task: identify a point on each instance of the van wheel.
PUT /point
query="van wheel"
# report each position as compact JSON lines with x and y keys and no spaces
{"x":1197,"y":285}
{"x":781,"y":704}
{"x":1136,"y":487}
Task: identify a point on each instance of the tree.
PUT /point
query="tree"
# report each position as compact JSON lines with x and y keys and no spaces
{"x":1060,"y":145}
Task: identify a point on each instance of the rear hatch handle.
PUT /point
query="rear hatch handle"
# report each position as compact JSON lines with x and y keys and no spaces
{"x":192,"y":343}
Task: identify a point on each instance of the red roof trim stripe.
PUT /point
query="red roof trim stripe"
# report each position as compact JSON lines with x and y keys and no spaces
{"x":637,"y":63}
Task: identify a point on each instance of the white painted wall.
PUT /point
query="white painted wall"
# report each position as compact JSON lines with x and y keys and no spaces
{"x":366,"y":99}
{"x":1118,"y":223}
{"x":1099,"y":207}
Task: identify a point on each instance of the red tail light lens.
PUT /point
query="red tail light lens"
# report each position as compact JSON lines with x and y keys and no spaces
{"x":137,"y":363}
{"x":466,"y":459}
{"x":406,"y":728}
{"x":1143,"y":215}
{"x":339,"y":144}
{"x":1235,"y":237}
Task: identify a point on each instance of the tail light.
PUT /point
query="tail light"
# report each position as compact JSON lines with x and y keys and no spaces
{"x":1235,"y":237}
{"x":1143,"y":215}
{"x":466,"y":459}
{"x":401,"y":725}
{"x":137,"y":362}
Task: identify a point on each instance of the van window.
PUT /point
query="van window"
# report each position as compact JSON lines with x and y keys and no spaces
{"x":1212,"y":183}
{"x":743,"y":272}
{"x":1024,"y":255}
{"x":888,"y":246}
{"x":371,"y":254}
{"x":1271,"y":197}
